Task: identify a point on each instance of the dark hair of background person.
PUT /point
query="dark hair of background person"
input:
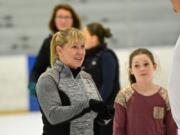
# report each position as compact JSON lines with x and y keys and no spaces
{"x":98,"y":30}
{"x":75,"y":17}
{"x":132,"y":79}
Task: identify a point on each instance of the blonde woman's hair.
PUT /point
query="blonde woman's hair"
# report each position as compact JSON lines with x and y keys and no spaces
{"x":61,"y":38}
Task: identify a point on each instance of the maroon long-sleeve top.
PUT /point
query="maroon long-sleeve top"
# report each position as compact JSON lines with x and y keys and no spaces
{"x":136,"y":114}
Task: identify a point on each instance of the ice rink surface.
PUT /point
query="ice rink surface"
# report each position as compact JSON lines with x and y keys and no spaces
{"x":22,"y":124}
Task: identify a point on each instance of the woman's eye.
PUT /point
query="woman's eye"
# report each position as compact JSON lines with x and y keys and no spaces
{"x":82,"y":46}
{"x":136,"y":66}
{"x":74,"y":46}
{"x":146,"y":64}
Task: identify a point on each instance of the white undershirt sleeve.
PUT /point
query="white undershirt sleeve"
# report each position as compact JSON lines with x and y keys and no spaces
{"x":174,"y":84}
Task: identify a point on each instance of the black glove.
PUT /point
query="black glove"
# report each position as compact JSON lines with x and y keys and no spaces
{"x":97,"y":106}
{"x":106,"y":114}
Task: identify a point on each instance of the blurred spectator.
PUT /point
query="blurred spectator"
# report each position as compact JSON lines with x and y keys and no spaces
{"x":63,"y":16}
{"x":102,"y":63}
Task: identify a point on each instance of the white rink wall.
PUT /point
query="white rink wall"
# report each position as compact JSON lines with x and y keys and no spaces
{"x":14,"y":76}
{"x":13,"y":83}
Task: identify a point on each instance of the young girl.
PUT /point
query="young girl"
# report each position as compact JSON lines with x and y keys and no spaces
{"x":143,"y":107}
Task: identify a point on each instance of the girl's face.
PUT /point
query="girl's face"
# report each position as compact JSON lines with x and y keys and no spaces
{"x":63,"y":19}
{"x":142,"y":68}
{"x":72,"y":55}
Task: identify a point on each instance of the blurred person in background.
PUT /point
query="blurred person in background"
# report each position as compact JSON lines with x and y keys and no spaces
{"x":174,"y":80}
{"x":102,"y":63}
{"x":143,"y":108}
{"x":68,"y":97}
{"x":63,"y":16}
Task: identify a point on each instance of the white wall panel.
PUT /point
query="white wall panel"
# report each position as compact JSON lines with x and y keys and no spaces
{"x":13,"y":83}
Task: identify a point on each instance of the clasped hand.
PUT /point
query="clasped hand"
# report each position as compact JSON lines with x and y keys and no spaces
{"x":104,"y":111}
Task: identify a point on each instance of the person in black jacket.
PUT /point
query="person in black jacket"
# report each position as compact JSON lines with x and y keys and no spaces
{"x":102,"y":63}
{"x":63,"y":16}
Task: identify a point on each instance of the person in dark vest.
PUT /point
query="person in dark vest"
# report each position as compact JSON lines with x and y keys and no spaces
{"x":68,"y":98}
{"x":63,"y":16}
{"x":102,"y":63}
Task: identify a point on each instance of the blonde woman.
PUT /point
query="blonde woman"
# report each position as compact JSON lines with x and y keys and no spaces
{"x":68,"y":98}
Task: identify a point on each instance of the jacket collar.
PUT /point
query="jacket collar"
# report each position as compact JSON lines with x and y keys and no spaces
{"x":63,"y":69}
{"x":96,"y":49}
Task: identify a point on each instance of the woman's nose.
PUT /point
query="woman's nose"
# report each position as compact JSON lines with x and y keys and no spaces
{"x":142,"y":68}
{"x":81,"y":51}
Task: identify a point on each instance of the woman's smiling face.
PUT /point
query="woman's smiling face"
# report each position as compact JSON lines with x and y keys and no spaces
{"x":72,"y":54}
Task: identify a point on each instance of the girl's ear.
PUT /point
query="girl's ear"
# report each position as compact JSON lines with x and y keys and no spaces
{"x":155,"y":66}
{"x":130,"y":71}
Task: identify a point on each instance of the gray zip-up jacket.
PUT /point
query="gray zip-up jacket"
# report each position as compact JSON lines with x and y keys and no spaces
{"x":57,"y":85}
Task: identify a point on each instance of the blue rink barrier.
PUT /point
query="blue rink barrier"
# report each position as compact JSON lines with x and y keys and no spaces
{"x":33,"y":104}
